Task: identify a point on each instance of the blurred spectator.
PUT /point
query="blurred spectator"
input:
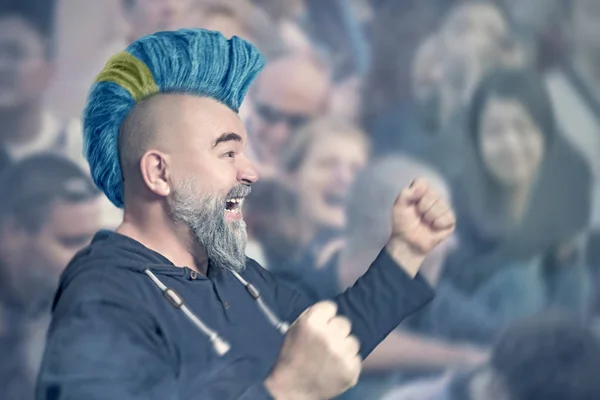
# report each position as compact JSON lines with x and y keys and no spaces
{"x":26,"y":68}
{"x":87,"y":33}
{"x":472,"y":38}
{"x":286,"y":15}
{"x":414,"y":127}
{"x":48,"y":212}
{"x":522,"y":203}
{"x":320,"y":164}
{"x":91,"y":31}
{"x":443,"y":334}
{"x":290,"y":92}
{"x":575,"y":88}
{"x":149,"y":16}
{"x":336,"y":31}
{"x":398,"y":29}
{"x":334,"y":27}
{"x":542,"y":20}
{"x":238,"y":18}
{"x":270,"y":214}
{"x":549,"y":358}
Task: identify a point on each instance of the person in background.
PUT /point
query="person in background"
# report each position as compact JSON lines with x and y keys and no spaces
{"x":414,"y":126}
{"x":273,"y":232}
{"x":320,"y":164}
{"x":523,"y":203}
{"x":449,"y":333}
{"x":286,"y":16}
{"x":398,"y":29}
{"x":575,"y":88}
{"x":542,"y":21}
{"x":290,"y":92}
{"x":149,"y":16}
{"x":472,"y":38}
{"x":238,"y":18}
{"x":430,"y":126}
{"x":550,"y":357}
{"x":90,"y":31}
{"x":48,"y":212}
{"x":26,"y":69}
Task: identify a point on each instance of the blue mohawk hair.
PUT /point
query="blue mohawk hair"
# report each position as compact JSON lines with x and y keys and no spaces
{"x":194,"y":61}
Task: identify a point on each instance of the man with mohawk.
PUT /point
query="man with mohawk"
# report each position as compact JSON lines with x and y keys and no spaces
{"x":164,"y":141}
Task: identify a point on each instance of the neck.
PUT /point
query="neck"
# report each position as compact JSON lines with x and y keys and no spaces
{"x":162,"y":235}
{"x":20,"y":124}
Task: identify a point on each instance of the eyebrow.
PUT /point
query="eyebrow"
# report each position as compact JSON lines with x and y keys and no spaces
{"x":227,"y":137}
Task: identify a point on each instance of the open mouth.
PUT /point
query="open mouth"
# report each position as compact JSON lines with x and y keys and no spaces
{"x":335,"y":200}
{"x":234,"y":205}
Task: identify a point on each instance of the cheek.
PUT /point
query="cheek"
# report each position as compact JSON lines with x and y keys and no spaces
{"x":52,"y":255}
{"x":489,"y":152}
{"x":313,"y":185}
{"x":535,"y":152}
{"x":33,"y":78}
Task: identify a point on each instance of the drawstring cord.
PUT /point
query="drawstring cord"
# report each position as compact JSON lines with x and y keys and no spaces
{"x":280,"y":325}
{"x":220,"y":345}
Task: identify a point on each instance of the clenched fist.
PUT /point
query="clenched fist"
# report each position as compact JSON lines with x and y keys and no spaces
{"x":319,"y":358}
{"x":421,"y":219}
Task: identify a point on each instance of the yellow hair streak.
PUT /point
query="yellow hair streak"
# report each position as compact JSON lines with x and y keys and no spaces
{"x":131,"y":74}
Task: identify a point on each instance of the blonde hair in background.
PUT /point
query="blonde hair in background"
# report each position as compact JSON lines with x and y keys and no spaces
{"x":304,"y":139}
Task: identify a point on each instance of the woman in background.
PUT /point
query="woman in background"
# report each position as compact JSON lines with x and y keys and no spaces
{"x":522,"y":206}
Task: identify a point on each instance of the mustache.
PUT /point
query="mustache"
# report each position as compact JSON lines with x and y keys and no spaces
{"x":239,"y":190}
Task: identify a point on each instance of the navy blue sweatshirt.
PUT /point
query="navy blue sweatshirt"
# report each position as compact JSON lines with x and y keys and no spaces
{"x":114,"y":336}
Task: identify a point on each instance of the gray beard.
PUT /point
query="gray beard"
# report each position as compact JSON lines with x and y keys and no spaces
{"x":224,"y":243}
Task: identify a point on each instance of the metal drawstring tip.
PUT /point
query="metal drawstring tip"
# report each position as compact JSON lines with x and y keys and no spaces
{"x":283,"y":327}
{"x":221,"y":346}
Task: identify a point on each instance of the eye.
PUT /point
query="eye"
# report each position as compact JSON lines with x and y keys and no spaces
{"x":229,"y":154}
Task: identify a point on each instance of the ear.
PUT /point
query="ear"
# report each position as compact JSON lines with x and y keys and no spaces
{"x":155,"y":172}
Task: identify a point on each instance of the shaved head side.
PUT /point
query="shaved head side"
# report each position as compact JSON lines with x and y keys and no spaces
{"x":150,"y":124}
{"x":136,"y":135}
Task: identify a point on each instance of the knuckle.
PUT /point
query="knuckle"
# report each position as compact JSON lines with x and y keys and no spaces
{"x":342,"y":322}
{"x":354,"y":343}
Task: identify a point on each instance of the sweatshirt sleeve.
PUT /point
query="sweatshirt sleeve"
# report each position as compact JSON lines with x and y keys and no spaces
{"x":382,"y":298}
{"x":103,"y":350}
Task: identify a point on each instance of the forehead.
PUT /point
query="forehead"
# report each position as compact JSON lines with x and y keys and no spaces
{"x":293,"y":84}
{"x":476,"y":15}
{"x":337,"y":145}
{"x":201,"y":119}
{"x":499,"y":107}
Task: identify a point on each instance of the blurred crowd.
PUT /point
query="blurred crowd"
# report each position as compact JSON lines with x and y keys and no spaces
{"x":495,"y":102}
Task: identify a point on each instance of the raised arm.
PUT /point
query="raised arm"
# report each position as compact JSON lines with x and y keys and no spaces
{"x":387,"y":293}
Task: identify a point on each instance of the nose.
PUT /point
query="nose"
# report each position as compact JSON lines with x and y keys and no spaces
{"x":247,"y":172}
